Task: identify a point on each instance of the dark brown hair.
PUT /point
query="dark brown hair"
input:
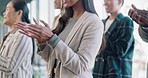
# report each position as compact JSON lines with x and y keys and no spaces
{"x":88,"y":5}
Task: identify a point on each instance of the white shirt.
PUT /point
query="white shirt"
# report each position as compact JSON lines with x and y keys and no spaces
{"x":108,"y":24}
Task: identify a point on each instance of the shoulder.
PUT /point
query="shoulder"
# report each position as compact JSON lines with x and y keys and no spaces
{"x":125,"y":21}
{"x":126,"y":18}
{"x":93,"y":19}
{"x":19,"y":36}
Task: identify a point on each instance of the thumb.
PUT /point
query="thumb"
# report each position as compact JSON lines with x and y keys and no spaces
{"x":46,"y":25}
{"x":134,"y":7}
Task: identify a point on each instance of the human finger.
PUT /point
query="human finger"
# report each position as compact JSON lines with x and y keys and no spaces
{"x":134,"y":15}
{"x":139,"y":19}
{"x":22,"y":23}
{"x":130,"y":12}
{"x":21,"y":26}
{"x":143,"y":13}
{"x":46,"y":25}
{"x":140,"y":12}
{"x":143,"y":21}
{"x":134,"y":7}
{"x":35,"y":21}
{"x":34,"y":29}
{"x":33,"y":33}
{"x":38,"y":35}
{"x":25,"y":33}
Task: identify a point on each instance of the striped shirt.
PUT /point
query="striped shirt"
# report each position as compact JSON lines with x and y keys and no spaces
{"x":15,"y":56}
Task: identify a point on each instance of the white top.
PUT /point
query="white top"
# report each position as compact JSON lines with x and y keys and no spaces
{"x":108,"y":24}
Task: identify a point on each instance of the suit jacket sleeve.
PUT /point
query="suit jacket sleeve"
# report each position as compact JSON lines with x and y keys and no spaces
{"x":143,"y":32}
{"x":45,"y":50}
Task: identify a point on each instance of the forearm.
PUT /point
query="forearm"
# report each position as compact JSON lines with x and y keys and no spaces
{"x":46,"y":49}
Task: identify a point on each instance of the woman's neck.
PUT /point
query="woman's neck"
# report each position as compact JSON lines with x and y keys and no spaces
{"x":78,"y":10}
{"x":12,"y":28}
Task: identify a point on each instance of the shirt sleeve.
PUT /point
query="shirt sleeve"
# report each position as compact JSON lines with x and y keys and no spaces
{"x":143,"y":32}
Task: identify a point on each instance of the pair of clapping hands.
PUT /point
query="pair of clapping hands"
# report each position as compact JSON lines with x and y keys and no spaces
{"x":139,"y":16}
{"x":37,"y":31}
{"x":43,"y":33}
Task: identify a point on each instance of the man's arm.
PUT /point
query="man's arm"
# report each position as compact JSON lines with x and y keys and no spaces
{"x":143,"y":32}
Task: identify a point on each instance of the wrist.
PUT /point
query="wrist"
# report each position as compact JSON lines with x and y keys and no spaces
{"x":43,"y":41}
{"x":50,"y":36}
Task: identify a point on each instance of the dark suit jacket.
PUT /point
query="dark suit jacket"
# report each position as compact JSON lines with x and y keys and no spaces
{"x":143,"y":32}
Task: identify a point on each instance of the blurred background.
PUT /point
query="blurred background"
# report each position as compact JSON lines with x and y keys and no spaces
{"x":44,"y":10}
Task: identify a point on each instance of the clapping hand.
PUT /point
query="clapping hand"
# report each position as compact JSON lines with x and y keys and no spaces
{"x":37,"y":31}
{"x":139,"y":16}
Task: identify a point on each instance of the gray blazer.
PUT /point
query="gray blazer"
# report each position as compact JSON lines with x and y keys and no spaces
{"x":143,"y":32}
{"x":78,"y":52}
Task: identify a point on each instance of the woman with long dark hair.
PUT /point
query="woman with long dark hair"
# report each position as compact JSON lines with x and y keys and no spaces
{"x":71,"y":48}
{"x":16,"y":48}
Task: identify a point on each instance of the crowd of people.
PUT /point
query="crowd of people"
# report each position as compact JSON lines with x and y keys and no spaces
{"x":78,"y":39}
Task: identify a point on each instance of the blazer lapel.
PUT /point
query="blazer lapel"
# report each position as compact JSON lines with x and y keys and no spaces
{"x":75,"y":28}
{"x":113,"y":25}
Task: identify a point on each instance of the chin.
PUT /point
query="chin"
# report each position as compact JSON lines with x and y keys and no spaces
{"x":5,"y":23}
{"x":108,"y":11}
